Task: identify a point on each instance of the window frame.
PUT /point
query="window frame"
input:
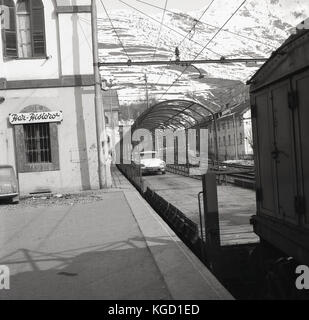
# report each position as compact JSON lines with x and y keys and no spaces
{"x":22,"y":164}
{"x":42,"y":10}
{"x":37,"y":142}
{"x":5,"y":31}
{"x":33,"y":55}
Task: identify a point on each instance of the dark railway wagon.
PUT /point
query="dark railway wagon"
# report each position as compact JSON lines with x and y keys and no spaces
{"x":280,"y":117}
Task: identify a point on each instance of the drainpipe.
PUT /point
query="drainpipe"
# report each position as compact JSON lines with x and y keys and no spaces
{"x":104,"y":172}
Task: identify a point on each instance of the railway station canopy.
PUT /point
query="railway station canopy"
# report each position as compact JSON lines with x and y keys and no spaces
{"x":174,"y":114}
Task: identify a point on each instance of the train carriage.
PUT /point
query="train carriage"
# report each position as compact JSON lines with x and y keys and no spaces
{"x":280,"y":118}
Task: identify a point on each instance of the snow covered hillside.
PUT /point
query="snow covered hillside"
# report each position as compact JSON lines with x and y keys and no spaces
{"x":256,"y":30}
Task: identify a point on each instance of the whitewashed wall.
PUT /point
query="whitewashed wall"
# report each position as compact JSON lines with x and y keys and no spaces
{"x":76,"y":137}
{"x":68,"y":47}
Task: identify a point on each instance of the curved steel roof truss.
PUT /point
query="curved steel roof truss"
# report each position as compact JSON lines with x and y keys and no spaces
{"x":166,"y":114}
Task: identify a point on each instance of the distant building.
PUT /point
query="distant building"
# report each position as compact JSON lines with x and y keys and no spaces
{"x":111,"y":106}
{"x":47,"y":112}
{"x":111,"y":110}
{"x":234,"y":133}
{"x":128,"y":122}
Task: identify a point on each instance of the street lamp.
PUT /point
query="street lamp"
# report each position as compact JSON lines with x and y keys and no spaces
{"x":187,"y":65}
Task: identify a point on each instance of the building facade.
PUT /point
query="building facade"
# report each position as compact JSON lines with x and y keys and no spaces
{"x":111,"y":111}
{"x":47,"y":112}
{"x":234,"y":134}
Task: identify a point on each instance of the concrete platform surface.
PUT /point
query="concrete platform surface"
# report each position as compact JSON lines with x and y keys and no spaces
{"x":236,"y":205}
{"x":115,"y":247}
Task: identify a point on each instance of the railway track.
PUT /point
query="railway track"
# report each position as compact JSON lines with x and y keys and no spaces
{"x":237,"y":174}
{"x":244,"y":179}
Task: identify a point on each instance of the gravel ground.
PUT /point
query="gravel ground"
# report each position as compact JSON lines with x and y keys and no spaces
{"x":54,"y":200}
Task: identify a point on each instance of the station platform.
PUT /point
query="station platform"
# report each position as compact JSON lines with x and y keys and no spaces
{"x":236,"y":205}
{"x":112,"y":246}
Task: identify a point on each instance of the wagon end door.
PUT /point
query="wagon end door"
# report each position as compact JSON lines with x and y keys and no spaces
{"x":301,"y":89}
{"x":284,"y":152}
{"x":262,"y":121}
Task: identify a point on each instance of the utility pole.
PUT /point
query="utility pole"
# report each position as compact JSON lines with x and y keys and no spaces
{"x":112,"y":125}
{"x":146,"y":84}
{"x":105,"y":180}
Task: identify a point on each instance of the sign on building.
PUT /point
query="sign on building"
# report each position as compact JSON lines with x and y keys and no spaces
{"x":35,"y":117}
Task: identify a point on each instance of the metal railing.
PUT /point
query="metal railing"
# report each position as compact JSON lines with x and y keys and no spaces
{"x":242,"y":175}
{"x":181,"y":169}
{"x":187,"y":230}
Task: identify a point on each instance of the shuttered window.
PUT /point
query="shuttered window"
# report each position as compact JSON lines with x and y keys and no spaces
{"x":8,"y":27}
{"x":38,"y":29}
{"x":31,"y":28}
{"x":24,"y":31}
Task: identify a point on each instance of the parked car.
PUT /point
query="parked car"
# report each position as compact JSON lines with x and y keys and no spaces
{"x":8,"y":184}
{"x":151,"y":163}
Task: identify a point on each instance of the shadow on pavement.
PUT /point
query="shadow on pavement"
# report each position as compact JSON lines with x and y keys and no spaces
{"x":126,"y":271}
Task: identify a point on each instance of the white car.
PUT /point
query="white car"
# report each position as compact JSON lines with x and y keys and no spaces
{"x":150,"y":163}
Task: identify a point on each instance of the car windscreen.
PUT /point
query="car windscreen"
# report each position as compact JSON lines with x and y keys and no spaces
{"x":6,"y":174}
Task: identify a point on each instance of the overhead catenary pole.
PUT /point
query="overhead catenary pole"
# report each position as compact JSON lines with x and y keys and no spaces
{"x":104,"y":172}
{"x":112,"y":124}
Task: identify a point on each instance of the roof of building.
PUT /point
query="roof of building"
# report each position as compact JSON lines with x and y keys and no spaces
{"x":291,"y":56}
{"x":239,"y":108}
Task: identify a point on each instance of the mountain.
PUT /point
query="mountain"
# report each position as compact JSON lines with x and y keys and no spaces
{"x":256,"y":30}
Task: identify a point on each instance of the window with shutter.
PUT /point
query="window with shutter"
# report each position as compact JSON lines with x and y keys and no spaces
{"x":23,"y":30}
{"x":8,"y":27}
{"x":38,"y":28}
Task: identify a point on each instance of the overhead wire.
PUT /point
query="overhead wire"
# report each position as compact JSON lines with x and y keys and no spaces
{"x":165,"y":10}
{"x":111,"y":22}
{"x":159,"y":34}
{"x":210,"y":25}
{"x":196,"y":22}
{"x":166,"y":26}
{"x":220,"y":29}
